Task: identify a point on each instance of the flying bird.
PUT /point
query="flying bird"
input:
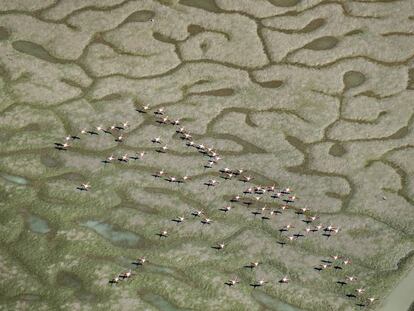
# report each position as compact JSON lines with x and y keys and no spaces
{"x":211,"y":183}
{"x":178,"y":219}
{"x":232,"y":282}
{"x":206,"y":221}
{"x":163,"y":234}
{"x":258,"y":283}
{"x":284,"y":280}
{"x":159,"y":111}
{"x":109,"y":159}
{"x":219,"y":246}
{"x":84,"y":187}
{"x":143,"y":109}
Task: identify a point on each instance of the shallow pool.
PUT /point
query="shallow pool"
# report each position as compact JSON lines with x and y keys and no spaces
{"x":37,"y":224}
{"x":119,"y":238}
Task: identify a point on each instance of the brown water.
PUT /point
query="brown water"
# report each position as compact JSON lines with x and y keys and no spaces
{"x":284,"y":3}
{"x":208,"y":5}
{"x":140,"y":16}
{"x":324,"y":43}
{"x":353,"y":79}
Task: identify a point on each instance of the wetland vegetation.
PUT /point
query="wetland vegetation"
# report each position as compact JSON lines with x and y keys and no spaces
{"x":311,"y":95}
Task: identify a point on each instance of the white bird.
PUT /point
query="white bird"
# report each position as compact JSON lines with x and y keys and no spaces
{"x":84,"y":187}
{"x":110,"y":158}
{"x":124,"y":158}
{"x":197,"y":213}
{"x":238,"y":171}
{"x":115,"y":280}
{"x":246,"y":178}
{"x":209,"y":164}
{"x":183,"y":179}
{"x":248,"y":190}
{"x":225,"y":209}
{"x":211,"y":183}
{"x":181,"y":130}
{"x":126,"y":275}
{"x":141,"y":260}
{"x":143,"y":109}
{"x":163,"y":120}
{"x":232,"y":282}
{"x":284,"y":280}
{"x":253,"y":265}
{"x":271,"y":188}
{"x":156,"y":140}
{"x":360,"y":290}
{"x":258,"y":283}
{"x":318,"y":227}
{"x":236,"y":198}
{"x":286,"y":191}
{"x":206,"y":221}
{"x":216,"y":159}
{"x":141,"y":154}
{"x":160,"y":111}
{"x":159,"y":173}
{"x":179,"y":219}
{"x":164,"y":148}
{"x":163,"y":234}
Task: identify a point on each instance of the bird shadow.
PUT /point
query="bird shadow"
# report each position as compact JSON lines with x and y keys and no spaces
{"x":350,"y":295}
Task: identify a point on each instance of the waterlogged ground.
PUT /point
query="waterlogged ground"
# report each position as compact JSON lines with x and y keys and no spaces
{"x":315,"y":95}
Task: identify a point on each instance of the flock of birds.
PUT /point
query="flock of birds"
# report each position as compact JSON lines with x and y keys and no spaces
{"x":253,"y":196}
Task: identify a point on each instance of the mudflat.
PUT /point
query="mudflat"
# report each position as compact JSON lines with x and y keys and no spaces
{"x":297,"y":151}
